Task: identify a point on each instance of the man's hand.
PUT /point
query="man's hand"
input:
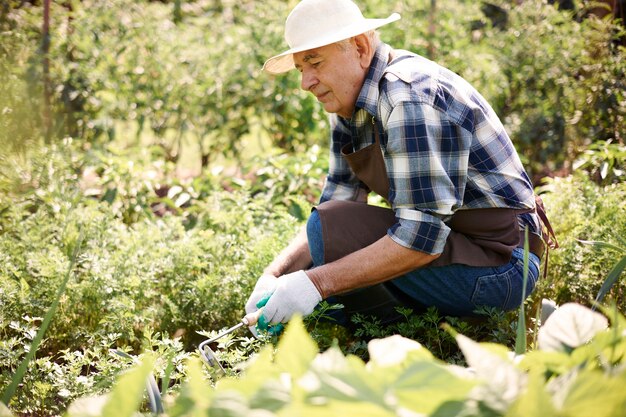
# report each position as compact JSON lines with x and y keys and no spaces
{"x":265,"y":285}
{"x":294,"y":293}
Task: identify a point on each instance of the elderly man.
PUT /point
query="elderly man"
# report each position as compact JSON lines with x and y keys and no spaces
{"x":425,"y":140}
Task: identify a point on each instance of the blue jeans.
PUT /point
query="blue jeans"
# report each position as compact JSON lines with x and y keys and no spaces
{"x":456,"y":290}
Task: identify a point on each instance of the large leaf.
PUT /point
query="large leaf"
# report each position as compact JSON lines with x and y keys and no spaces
{"x":334,"y":376}
{"x":394,"y":350}
{"x":296,"y":349}
{"x":570,"y":326}
{"x":226,"y":404}
{"x":535,"y":401}
{"x":87,"y":407}
{"x":611,"y":279}
{"x":544,"y":361}
{"x":196,"y":394}
{"x":259,"y":370}
{"x":338,"y":408}
{"x":427,"y":385}
{"x":4,"y":411}
{"x":269,"y":378}
{"x":500,"y":382}
{"x":406,"y":382}
{"x":127,"y":393}
{"x":389,"y":358}
{"x":593,"y":393}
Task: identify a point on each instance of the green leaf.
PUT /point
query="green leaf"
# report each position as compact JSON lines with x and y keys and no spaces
{"x":272,"y":396}
{"x":546,"y":361}
{"x":4,"y":411}
{"x":609,"y":346}
{"x":226,"y":404}
{"x":593,"y":393}
{"x":394,"y":350}
{"x":259,"y":370}
{"x":602,"y":245}
{"x":520,"y":339}
{"x":611,"y":279}
{"x":126,"y":396}
{"x":570,"y":326}
{"x":535,"y":401}
{"x":426,"y":385}
{"x":196,"y":394}
{"x":336,"y":377}
{"x":87,"y":407}
{"x":334,"y":407}
{"x":500,"y":382}
{"x":23,"y":367}
{"x":296,"y":349}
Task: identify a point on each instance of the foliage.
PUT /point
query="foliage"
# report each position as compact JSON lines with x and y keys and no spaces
{"x":196,"y":80}
{"x":32,"y":350}
{"x":187,"y":75}
{"x":580,"y":210}
{"x":20,"y":90}
{"x":604,"y":161}
{"x":167,"y":260}
{"x":135,"y":276}
{"x":615,"y":272}
{"x":565,"y":83}
{"x":572,"y":372}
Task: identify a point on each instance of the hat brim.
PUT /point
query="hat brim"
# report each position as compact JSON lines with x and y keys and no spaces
{"x":284,"y":62}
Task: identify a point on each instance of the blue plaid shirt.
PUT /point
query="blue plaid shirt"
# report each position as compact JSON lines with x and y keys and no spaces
{"x":443,"y":145}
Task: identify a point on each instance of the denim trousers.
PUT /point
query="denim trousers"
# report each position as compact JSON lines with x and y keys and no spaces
{"x":455,"y":290}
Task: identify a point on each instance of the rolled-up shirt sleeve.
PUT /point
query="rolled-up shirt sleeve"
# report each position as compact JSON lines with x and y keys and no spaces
{"x":426,"y":157}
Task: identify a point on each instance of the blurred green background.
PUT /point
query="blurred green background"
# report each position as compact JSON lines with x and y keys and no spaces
{"x":145,"y":132}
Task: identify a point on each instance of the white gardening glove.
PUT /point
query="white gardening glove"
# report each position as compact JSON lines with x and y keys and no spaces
{"x":295,"y":293}
{"x":265,"y":285}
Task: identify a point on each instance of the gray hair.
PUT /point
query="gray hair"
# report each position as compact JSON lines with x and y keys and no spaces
{"x":373,"y":36}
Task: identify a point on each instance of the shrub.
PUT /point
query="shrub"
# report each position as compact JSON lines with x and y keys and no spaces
{"x":572,"y":372}
{"x":190,"y":75}
{"x":581,"y":210}
{"x":131,"y":279}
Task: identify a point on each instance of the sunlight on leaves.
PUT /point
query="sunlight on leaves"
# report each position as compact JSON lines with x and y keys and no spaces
{"x":394,"y":350}
{"x":87,"y":407}
{"x":195,"y":395}
{"x":426,"y":385}
{"x":336,"y":377}
{"x":259,"y":369}
{"x":535,"y":401}
{"x":593,"y":393}
{"x":570,"y":326}
{"x":127,"y":394}
{"x":296,"y":349}
{"x":4,"y":411}
{"x":501,"y":381}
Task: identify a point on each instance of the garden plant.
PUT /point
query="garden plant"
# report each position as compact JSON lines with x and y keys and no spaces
{"x":149,"y":172}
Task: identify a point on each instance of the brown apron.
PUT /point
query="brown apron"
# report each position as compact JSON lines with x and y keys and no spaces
{"x":479,"y":237}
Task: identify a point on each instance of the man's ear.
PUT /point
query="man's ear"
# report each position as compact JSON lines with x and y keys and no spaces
{"x":364,"y":50}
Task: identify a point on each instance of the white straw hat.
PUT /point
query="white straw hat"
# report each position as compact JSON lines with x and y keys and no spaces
{"x":315,"y":23}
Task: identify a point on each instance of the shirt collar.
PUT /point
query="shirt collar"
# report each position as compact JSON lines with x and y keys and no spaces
{"x":368,"y":97}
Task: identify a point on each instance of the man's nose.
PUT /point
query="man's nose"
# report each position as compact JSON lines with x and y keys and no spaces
{"x":308,"y":80}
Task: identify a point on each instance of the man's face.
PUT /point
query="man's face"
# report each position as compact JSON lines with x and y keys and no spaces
{"x":334,"y":74}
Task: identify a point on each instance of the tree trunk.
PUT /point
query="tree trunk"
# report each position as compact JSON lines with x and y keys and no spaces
{"x":45,"y":49}
{"x":432,"y":29}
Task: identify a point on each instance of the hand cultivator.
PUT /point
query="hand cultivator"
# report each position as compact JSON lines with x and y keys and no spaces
{"x":207,"y":354}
